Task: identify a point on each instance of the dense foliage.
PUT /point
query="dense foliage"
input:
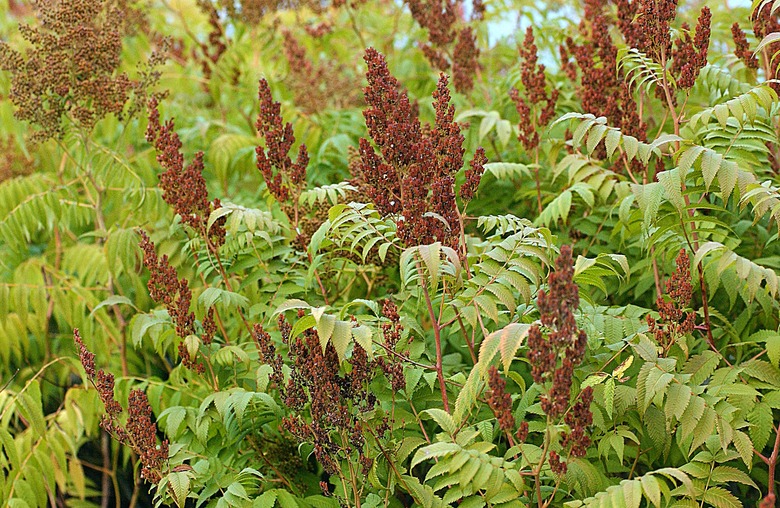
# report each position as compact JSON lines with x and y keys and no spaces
{"x":422,"y":253}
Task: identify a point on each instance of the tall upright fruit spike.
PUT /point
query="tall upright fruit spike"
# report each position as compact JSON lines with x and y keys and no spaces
{"x":411,"y":172}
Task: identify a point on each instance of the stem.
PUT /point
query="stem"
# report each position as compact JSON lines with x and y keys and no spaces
{"x":659,"y":293}
{"x":344,"y":488}
{"x":319,"y":281}
{"x":469,"y":343}
{"x":773,"y":465}
{"x":106,"y":483}
{"x":705,"y":307}
{"x":538,"y":468}
{"x":538,"y":183}
{"x":437,"y":337}
{"x":639,"y":453}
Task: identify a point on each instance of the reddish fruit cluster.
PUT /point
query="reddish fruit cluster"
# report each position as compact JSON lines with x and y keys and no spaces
{"x":285,"y":179}
{"x":626,"y":14}
{"x":765,"y":23}
{"x":537,"y":108}
{"x":674,"y":321}
{"x":142,"y":433}
{"x":646,"y":25}
{"x":522,"y":432}
{"x":392,"y":328}
{"x":316,"y":86}
{"x":558,"y":466}
{"x":319,"y":30}
{"x":252,"y":12}
{"x":139,"y":431}
{"x":477,"y":10}
{"x":465,"y":60}
{"x":167,"y":289}
{"x":306,"y":79}
{"x":71,"y":67}
{"x":653,"y":21}
{"x":553,"y":358}
{"x":184,"y":189}
{"x":441,"y":19}
{"x":579,"y":418}
{"x":742,"y":47}
{"x":392,"y":365}
{"x":603,"y":92}
{"x":209,"y":54}
{"x":15,"y":162}
{"x":86,"y":357}
{"x":500,"y":401}
{"x":267,"y":351}
{"x":335,"y":399}
{"x":438,"y":17}
{"x":690,"y":55}
{"x":413,"y":174}
{"x":473,"y":176}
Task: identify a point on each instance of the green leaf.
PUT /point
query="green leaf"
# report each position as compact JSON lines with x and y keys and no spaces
{"x":651,"y":489}
{"x":211,"y":296}
{"x":728,"y":474}
{"x":432,"y":451}
{"x":113,"y":300}
{"x":467,"y":396}
{"x":609,"y":396}
{"x":342,"y":333}
{"x":773,"y":349}
{"x":744,"y":447}
{"x":508,"y":340}
{"x":763,"y":371}
{"x":701,"y":366}
{"x":443,"y":418}
{"x":179,"y":483}
{"x":721,"y":498}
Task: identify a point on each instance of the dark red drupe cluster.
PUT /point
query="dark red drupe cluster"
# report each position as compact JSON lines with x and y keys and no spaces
{"x":602,"y":90}
{"x":500,"y":401}
{"x":536,"y":108}
{"x":71,"y":68}
{"x":285,"y":179}
{"x":578,"y":418}
{"x":184,"y":189}
{"x":139,"y":431}
{"x":690,"y":54}
{"x":167,"y":289}
{"x":317,"y":84}
{"x":413,"y":173}
{"x":209,"y":53}
{"x":555,"y":354}
{"x":554,"y":357}
{"x":334,"y":399}
{"x":450,"y":44}
{"x":742,"y":47}
{"x":674,"y":321}
{"x":473,"y":176}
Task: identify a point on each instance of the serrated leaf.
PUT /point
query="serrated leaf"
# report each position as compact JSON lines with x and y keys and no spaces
{"x":728,"y":474}
{"x":113,"y":300}
{"x":508,"y":340}
{"x":443,"y":418}
{"x":651,"y":489}
{"x":744,"y":447}
{"x":179,"y":483}
{"x":721,"y":498}
{"x":609,"y":396}
{"x":432,"y":451}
